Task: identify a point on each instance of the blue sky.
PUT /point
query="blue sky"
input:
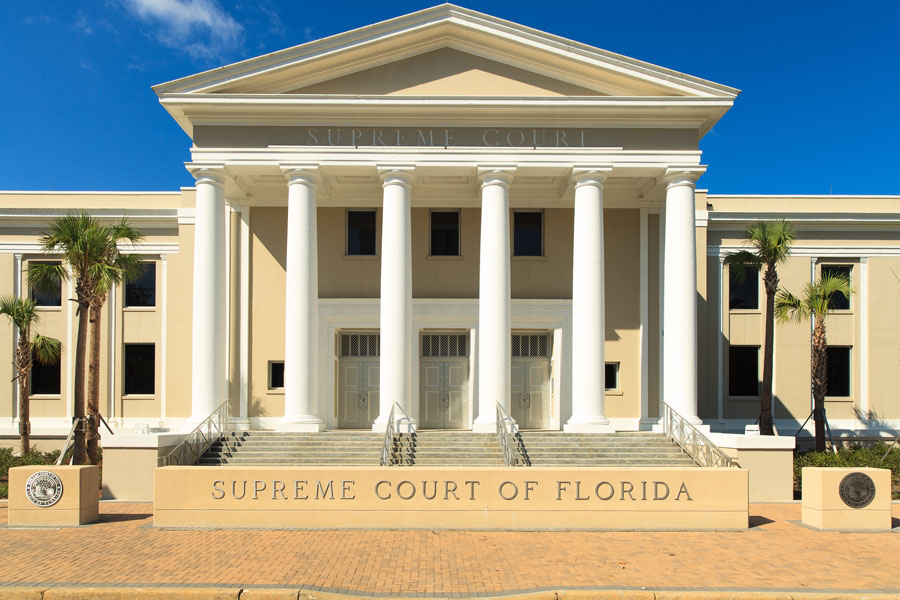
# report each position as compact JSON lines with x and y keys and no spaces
{"x":817,"y":115}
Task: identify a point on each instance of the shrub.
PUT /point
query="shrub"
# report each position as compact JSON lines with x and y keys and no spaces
{"x":34,"y":457}
{"x":855,"y":456}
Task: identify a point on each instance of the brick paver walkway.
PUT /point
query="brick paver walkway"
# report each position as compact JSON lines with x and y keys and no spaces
{"x":776,"y":553}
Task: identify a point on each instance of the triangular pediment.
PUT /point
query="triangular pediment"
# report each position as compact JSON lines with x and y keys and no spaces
{"x":446,"y":51}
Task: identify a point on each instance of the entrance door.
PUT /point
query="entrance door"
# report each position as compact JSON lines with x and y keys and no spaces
{"x":444,"y":381}
{"x":530,"y":401}
{"x":358,"y":371}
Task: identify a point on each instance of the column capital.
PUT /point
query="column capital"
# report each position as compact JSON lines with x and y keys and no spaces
{"x":676,"y":175}
{"x":590,"y":174}
{"x":300,"y":173}
{"x":400,"y":174}
{"x":213,"y":173}
{"x":496,"y":174}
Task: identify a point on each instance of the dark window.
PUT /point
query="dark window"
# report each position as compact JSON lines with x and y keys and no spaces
{"x":142,"y":291}
{"x":45,"y":379}
{"x":743,"y":371}
{"x":360,"y":232}
{"x":838,"y":301}
{"x":140,"y":369}
{"x":276,"y":375}
{"x":43,"y":297}
{"x":528,"y":229}
{"x":743,"y":294}
{"x":444,"y":233}
{"x":838,"y":371}
{"x":612,"y":376}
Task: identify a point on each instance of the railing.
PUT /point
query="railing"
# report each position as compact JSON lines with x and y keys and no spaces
{"x":198,"y":441}
{"x":506,"y":429}
{"x":391,"y":431}
{"x":693,"y":441}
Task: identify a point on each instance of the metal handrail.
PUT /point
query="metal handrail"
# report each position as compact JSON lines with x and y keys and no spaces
{"x":391,"y":431}
{"x":699,"y":447}
{"x":198,"y":441}
{"x":506,"y":427}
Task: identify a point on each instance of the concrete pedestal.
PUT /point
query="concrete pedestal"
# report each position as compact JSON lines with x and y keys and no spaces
{"x":847,"y":499}
{"x":53,"y":496}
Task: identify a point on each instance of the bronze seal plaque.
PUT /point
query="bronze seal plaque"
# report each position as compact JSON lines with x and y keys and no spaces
{"x":857,"y":490}
{"x":44,"y":488}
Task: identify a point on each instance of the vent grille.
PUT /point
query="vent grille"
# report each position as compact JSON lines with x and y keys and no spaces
{"x":535,"y":345}
{"x":360,"y":344}
{"x":445,"y":345}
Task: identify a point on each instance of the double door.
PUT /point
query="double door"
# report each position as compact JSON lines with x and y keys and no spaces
{"x":530,"y":380}
{"x":444,"y":381}
{"x":358,"y":380}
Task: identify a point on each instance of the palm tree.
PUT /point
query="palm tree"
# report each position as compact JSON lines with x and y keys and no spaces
{"x":771,"y":242}
{"x":21,"y":312}
{"x":815,"y":303}
{"x":90,"y":258}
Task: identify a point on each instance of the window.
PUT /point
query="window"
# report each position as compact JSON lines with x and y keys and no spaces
{"x":743,"y":371}
{"x":140,"y":369}
{"x":528,"y":230}
{"x":142,"y":291}
{"x":444,"y":233}
{"x":611,"y":376}
{"x":361,"y":233}
{"x":43,"y":297}
{"x":743,"y":294}
{"x":838,"y":371}
{"x":45,"y":379}
{"x":276,"y":374}
{"x":838,"y":301}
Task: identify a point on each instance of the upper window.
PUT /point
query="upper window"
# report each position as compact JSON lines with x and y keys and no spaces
{"x":743,"y":371}
{"x":45,"y":379}
{"x":140,"y":369}
{"x":838,"y":301}
{"x":743,"y":293}
{"x":528,"y":233}
{"x":142,"y":291}
{"x":444,"y":233}
{"x":276,"y":374}
{"x":837,"y":368}
{"x":45,"y":297}
{"x":361,"y":233}
{"x":611,"y":376}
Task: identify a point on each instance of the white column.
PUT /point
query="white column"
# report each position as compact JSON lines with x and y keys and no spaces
{"x":17,"y":293}
{"x":680,"y":310}
{"x":720,"y":341}
{"x":494,"y":343}
{"x":588,"y":306}
{"x":863,"y":299}
{"x":208,"y":331}
{"x":301,"y":303}
{"x":242,"y":421}
{"x":396,"y":296}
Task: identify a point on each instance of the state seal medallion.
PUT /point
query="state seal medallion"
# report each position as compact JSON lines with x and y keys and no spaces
{"x":857,"y":490}
{"x":44,"y":488}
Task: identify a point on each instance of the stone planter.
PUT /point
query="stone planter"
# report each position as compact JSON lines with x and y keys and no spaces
{"x":847,"y":499}
{"x":48,"y":496}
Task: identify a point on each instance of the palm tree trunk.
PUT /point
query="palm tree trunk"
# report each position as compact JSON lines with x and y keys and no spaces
{"x":80,"y":451}
{"x":23,"y":367}
{"x":93,"y":382}
{"x":819,"y":380}
{"x":766,"y":416}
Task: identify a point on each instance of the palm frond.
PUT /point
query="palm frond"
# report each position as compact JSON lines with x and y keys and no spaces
{"x":740,"y":262}
{"x":772,"y":240}
{"x":46,"y":276}
{"x":45,"y":349}
{"x":789,"y":307}
{"x":21,"y":311}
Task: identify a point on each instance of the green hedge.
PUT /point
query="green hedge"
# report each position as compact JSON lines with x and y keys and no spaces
{"x":856,"y":456}
{"x":34,"y":457}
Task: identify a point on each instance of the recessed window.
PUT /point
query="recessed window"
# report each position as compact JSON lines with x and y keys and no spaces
{"x":611,"y":376}
{"x":838,"y":301}
{"x":743,"y":293}
{"x":142,"y":291}
{"x":444,"y":233}
{"x":743,"y":371}
{"x":276,"y":375}
{"x":361,"y":233}
{"x":140,"y":369}
{"x":528,"y":233}
{"x":838,"y":371}
{"x":45,"y":379}
{"x":47,"y":297}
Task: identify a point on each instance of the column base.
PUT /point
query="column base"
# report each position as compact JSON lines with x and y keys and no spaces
{"x":484,"y":425}
{"x":301,"y":423}
{"x":400,"y":425}
{"x":586,"y":426}
{"x":239,"y":423}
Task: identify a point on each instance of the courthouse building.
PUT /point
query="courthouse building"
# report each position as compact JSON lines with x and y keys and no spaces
{"x":445,"y":212}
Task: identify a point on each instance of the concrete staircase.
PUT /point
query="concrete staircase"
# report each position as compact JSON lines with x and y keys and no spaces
{"x":447,"y":448}
{"x":628,"y":449}
{"x":280,"y":448}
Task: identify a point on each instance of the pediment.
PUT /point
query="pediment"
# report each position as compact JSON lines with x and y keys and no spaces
{"x":446,"y":51}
